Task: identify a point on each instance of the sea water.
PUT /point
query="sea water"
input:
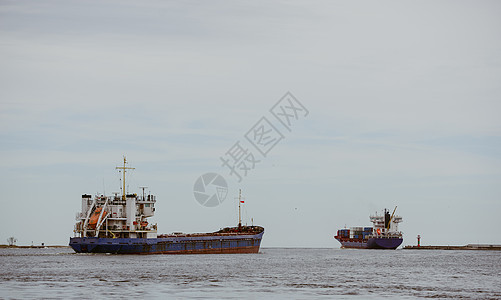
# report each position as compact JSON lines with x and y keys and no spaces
{"x":274,"y":273}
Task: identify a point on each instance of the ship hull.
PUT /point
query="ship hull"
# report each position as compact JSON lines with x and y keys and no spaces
{"x":200,"y":244}
{"x":371,"y":243}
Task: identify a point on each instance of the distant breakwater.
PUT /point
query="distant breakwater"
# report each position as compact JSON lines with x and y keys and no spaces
{"x":34,"y":247}
{"x":466,"y":247}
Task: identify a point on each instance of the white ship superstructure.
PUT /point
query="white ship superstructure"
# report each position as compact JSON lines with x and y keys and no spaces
{"x":117,"y":216}
{"x":386,"y":225}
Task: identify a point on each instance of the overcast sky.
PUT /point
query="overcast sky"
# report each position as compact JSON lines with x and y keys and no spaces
{"x":404,"y":101}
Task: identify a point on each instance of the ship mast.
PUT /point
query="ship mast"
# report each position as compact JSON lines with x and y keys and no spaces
{"x":124,"y":168}
{"x":239,"y":204}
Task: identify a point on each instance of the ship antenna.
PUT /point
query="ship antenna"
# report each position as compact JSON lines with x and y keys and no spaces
{"x":120,"y":179}
{"x":124,"y":168}
{"x":143,"y":187}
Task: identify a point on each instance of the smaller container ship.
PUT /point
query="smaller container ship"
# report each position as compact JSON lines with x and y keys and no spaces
{"x":119,"y":225}
{"x":383,"y":234}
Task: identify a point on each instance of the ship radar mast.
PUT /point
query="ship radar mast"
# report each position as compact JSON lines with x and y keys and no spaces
{"x":124,"y":168}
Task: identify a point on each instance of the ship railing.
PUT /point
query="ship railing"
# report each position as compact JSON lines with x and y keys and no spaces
{"x":118,"y":202}
{"x":140,"y":200}
{"x":179,"y":234}
{"x":386,"y":235}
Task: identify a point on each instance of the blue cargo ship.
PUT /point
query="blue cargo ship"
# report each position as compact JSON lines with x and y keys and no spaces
{"x":383,"y":235}
{"x":119,"y":224}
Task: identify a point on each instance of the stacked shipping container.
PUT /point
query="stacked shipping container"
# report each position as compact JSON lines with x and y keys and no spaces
{"x":355,"y":232}
{"x":343,"y":233}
